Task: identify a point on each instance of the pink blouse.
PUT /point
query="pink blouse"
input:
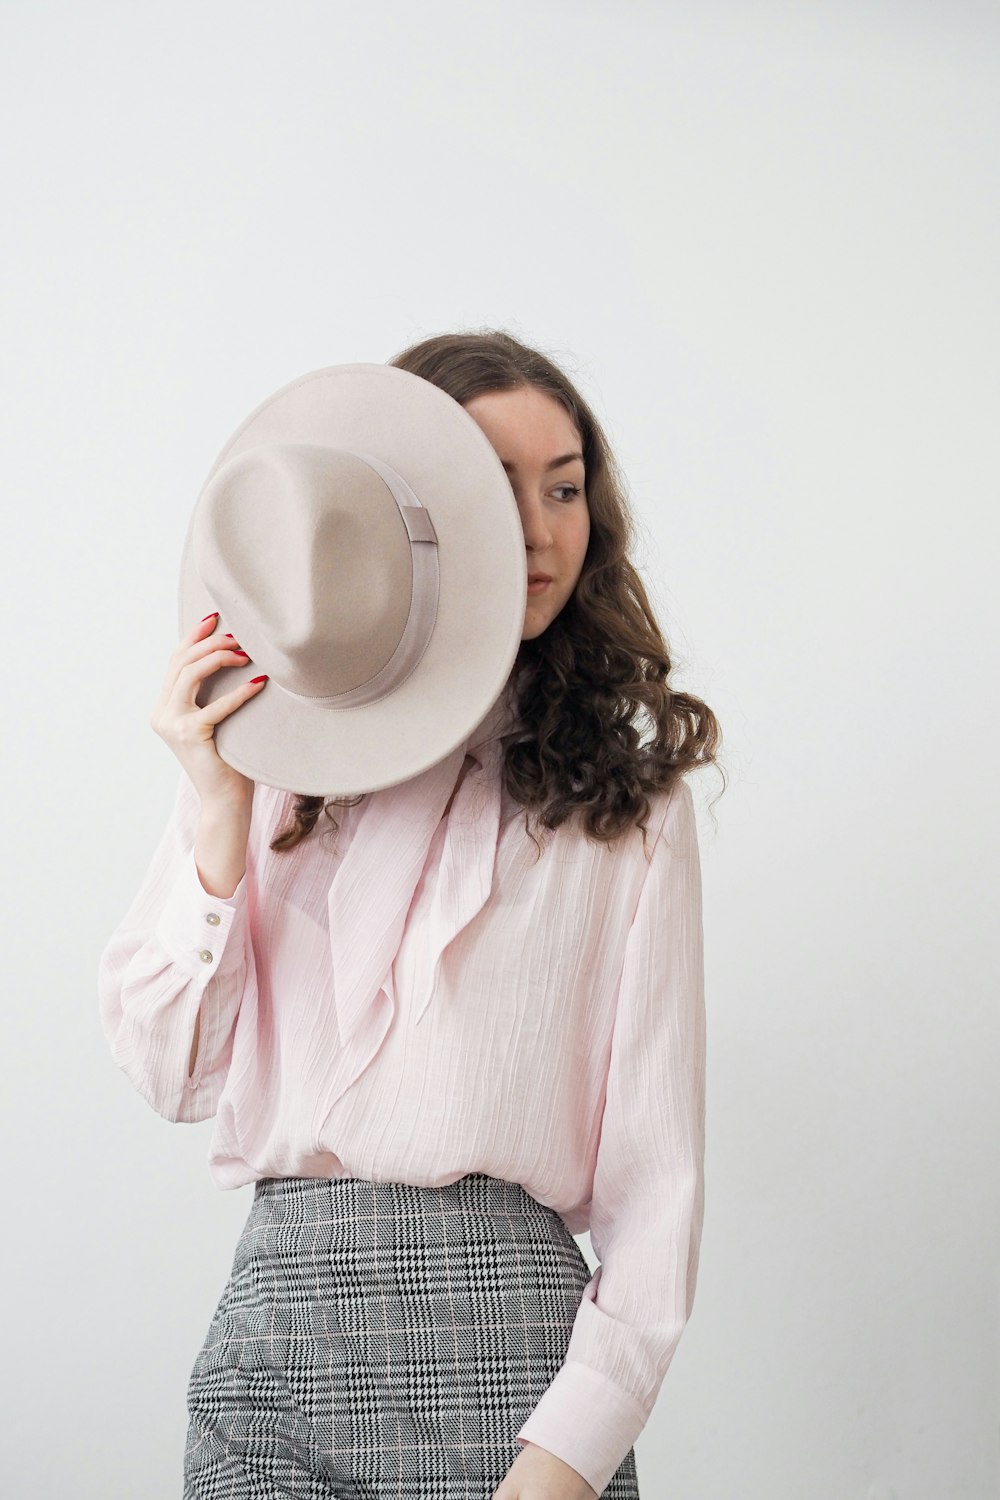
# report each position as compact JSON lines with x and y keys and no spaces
{"x":431,"y":997}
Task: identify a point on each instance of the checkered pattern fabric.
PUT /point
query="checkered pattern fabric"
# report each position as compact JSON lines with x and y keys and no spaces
{"x":382,"y":1341}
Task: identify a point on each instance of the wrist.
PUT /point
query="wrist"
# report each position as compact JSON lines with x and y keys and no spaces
{"x":228,"y":808}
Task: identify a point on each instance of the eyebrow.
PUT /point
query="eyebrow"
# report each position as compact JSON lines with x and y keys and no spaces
{"x":556,"y":463}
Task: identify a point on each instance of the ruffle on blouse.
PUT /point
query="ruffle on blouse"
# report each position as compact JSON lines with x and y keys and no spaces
{"x":373,"y":888}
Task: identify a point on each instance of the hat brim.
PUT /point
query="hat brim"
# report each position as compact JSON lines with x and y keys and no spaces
{"x":445,"y":456}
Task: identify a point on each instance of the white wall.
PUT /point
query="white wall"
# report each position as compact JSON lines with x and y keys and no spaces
{"x":764,"y":238}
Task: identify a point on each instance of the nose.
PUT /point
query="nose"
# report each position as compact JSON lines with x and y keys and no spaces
{"x":537,"y":532}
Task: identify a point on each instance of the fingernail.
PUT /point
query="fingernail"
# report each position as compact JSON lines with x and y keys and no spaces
{"x":259,"y":679}
{"x":212,"y":616}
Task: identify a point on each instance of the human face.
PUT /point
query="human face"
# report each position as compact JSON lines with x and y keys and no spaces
{"x":540,"y":448}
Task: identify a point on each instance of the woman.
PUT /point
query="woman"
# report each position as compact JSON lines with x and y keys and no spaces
{"x":408,"y":1312}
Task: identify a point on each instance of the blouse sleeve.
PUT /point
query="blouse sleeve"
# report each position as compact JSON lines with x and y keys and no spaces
{"x":648,"y":1195}
{"x":179,"y":956}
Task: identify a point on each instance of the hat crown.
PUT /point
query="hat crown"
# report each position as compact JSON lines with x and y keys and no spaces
{"x":306,"y":552}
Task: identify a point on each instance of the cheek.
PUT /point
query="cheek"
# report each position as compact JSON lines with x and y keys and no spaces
{"x":579,"y":539}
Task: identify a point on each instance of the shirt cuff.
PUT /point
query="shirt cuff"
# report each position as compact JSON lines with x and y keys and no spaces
{"x":194,"y":926}
{"x":586,"y":1420}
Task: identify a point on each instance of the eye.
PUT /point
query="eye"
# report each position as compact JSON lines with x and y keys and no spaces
{"x":574,"y":490}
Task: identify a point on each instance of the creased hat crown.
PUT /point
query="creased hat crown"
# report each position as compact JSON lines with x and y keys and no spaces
{"x":306,"y":551}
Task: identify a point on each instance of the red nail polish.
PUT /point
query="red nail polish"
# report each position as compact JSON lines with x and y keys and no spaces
{"x":259,"y":679}
{"x":212,"y":616}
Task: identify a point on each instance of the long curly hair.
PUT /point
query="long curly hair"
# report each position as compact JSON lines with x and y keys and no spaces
{"x":590,"y":688}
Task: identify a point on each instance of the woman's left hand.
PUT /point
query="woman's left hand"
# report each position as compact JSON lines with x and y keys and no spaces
{"x":536,"y":1474}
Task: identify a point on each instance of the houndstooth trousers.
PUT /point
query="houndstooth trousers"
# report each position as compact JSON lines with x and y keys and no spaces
{"x":382,"y":1341}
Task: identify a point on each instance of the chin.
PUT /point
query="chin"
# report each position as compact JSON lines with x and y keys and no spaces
{"x":540,"y":613}
{"x":535,"y":627}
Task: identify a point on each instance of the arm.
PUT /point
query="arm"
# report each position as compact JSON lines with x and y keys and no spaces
{"x":174,"y":971}
{"x":647,"y":1208}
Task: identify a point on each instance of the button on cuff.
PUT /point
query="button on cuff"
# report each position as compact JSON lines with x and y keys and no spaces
{"x":196,"y":928}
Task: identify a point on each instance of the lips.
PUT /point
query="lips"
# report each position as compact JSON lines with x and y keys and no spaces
{"x":539,"y":578}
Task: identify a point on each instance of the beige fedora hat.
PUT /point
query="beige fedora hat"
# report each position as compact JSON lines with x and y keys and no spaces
{"x":360,"y":539}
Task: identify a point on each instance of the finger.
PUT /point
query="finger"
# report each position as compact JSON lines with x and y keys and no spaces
{"x":224,"y":705}
{"x":203,"y":628}
{"x":204,"y":637}
{"x":185,"y":657}
{"x":198,"y":640}
{"x":190,"y":675}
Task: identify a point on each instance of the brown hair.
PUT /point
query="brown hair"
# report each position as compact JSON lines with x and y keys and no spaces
{"x":601,"y":662}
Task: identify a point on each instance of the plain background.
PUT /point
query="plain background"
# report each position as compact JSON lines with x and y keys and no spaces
{"x":764,"y":239}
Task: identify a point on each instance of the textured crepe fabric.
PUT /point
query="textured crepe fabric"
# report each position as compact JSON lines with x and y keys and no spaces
{"x":427,"y":997}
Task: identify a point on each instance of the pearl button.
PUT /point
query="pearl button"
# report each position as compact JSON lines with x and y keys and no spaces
{"x":206,"y":955}
{"x":214,"y":918}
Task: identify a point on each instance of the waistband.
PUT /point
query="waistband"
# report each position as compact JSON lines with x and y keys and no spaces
{"x":359,"y":1200}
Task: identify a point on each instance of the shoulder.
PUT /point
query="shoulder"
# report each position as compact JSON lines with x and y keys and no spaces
{"x":672,"y":820}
